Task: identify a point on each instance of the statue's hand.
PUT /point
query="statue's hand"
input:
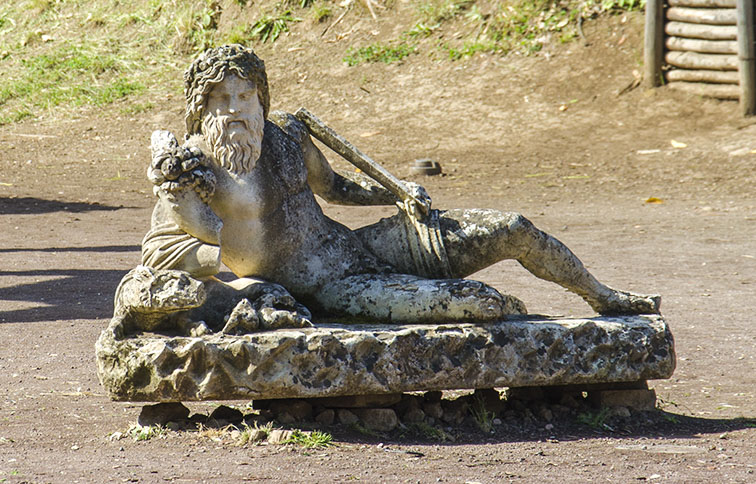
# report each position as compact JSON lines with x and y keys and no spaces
{"x":177,"y":168}
{"x":420,"y":204}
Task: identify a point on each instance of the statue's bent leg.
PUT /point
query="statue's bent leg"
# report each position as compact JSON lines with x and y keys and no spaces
{"x":475,"y":239}
{"x":401,"y":298}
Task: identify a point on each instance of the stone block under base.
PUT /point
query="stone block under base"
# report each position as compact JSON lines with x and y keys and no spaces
{"x":336,"y":360}
{"x":638,"y":399}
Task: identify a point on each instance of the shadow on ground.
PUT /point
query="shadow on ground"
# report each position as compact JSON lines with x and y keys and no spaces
{"x":59,"y":294}
{"x":650,"y":424}
{"x":35,"y":206}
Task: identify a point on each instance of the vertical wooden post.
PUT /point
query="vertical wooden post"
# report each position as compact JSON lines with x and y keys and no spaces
{"x":653,"y":47}
{"x":746,"y":58}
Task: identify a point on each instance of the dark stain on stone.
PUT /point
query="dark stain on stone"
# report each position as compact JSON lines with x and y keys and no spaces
{"x":369,"y":361}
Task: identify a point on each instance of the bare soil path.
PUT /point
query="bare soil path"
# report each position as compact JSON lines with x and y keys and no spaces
{"x":548,"y":137}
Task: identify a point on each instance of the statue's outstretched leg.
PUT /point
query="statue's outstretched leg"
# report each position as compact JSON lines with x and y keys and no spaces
{"x":475,"y":239}
{"x":402,"y":298}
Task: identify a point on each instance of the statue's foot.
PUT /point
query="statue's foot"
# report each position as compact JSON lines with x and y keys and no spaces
{"x":621,"y":302}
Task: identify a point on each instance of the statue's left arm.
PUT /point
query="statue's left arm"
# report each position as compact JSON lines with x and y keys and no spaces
{"x":343,"y":189}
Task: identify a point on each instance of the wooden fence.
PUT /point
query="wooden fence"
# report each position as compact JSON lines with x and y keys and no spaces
{"x":702,"y":46}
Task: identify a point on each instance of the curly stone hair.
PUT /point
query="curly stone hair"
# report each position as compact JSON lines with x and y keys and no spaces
{"x":210,"y":68}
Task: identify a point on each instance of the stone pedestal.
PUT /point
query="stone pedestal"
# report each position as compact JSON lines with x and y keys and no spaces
{"x":337,"y":360}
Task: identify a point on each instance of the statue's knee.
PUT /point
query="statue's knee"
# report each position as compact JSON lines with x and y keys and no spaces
{"x":516,"y":222}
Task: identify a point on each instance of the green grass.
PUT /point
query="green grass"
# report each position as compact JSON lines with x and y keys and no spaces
{"x":58,"y":56}
{"x":482,"y":416}
{"x":596,"y":420}
{"x":270,"y":27}
{"x":254,"y":434}
{"x":310,"y":440}
{"x":71,"y":75}
{"x":139,"y":433}
{"x":379,"y":52}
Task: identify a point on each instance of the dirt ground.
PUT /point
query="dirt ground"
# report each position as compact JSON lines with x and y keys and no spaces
{"x":547,"y":136}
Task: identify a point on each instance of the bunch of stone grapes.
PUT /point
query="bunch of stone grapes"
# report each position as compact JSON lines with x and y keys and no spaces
{"x":178,"y":168}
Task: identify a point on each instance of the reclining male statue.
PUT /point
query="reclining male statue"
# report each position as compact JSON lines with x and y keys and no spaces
{"x":241,"y":191}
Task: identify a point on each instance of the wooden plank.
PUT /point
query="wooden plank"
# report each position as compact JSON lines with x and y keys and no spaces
{"x":696,"y":31}
{"x":708,"y":16}
{"x":653,"y":46}
{"x":703,"y":3}
{"x":694,"y":60}
{"x":704,"y":46}
{"x":746,"y":58}
{"x":716,"y":77}
{"x":718,"y":91}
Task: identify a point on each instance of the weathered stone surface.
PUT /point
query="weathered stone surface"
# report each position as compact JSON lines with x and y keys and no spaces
{"x":335,"y":360}
{"x":346,"y":417}
{"x":380,"y":419}
{"x":326,"y":417}
{"x":413,"y":415}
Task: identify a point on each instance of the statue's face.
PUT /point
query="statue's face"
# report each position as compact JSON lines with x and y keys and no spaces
{"x":233,"y":123}
{"x":235,"y":98}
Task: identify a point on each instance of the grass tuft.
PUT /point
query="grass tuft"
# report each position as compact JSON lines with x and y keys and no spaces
{"x":310,"y":440}
{"x":596,"y":420}
{"x":379,"y":53}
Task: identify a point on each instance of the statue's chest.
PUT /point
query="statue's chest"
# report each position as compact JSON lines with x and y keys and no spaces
{"x":259,"y":193}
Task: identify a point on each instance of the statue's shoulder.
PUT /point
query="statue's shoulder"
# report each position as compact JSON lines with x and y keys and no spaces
{"x":279,"y":142}
{"x":289,"y":124}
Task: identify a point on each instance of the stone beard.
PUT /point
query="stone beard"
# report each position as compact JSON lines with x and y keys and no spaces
{"x":235,"y":150}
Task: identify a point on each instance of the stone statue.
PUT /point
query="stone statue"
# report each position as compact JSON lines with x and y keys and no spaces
{"x":241,"y":191}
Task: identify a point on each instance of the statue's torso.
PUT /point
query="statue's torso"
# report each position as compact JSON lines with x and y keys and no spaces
{"x":273,"y":227}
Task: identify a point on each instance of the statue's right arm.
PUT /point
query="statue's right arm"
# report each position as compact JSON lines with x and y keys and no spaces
{"x":192,"y":215}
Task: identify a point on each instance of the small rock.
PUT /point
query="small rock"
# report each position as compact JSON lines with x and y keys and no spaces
{"x":433,"y":409}
{"x":637,"y":399}
{"x":407,"y":402}
{"x":162,"y":413}
{"x":623,"y":412}
{"x":285,"y":418}
{"x":414,"y":415}
{"x":229,"y":414}
{"x":326,"y":417}
{"x":299,"y":409}
{"x":545,"y":414}
{"x":497,"y":421}
{"x":380,"y":419}
{"x":279,"y":436}
{"x":455,"y":411}
{"x":360,"y":401}
{"x":549,"y":427}
{"x":346,"y":417}
{"x":296,"y":409}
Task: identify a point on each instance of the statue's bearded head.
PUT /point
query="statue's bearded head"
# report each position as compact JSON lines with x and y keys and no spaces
{"x":227,"y":102}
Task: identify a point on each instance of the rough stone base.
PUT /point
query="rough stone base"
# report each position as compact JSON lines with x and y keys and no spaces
{"x":337,"y":360}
